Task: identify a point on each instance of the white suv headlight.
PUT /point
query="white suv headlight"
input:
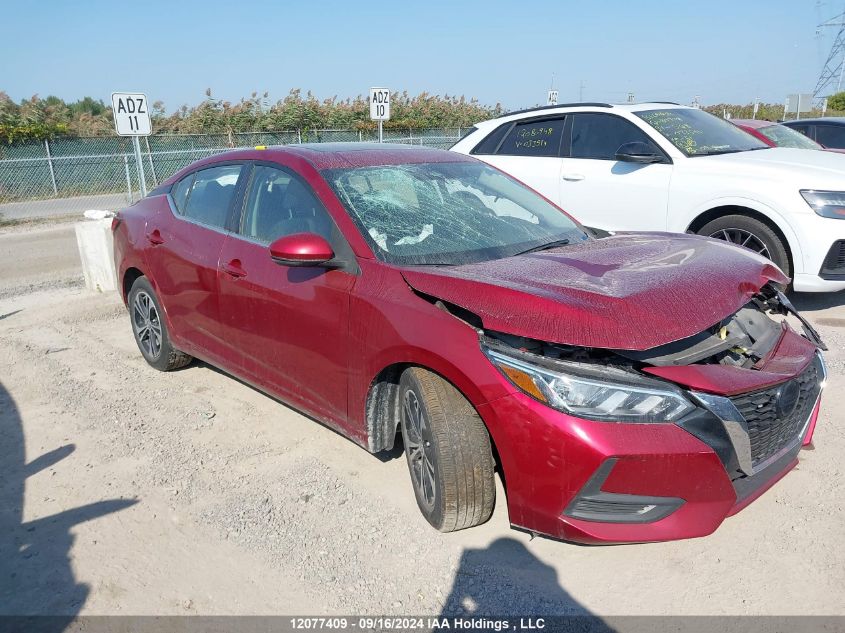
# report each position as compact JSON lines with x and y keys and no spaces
{"x":828,"y":204}
{"x":593,"y":392}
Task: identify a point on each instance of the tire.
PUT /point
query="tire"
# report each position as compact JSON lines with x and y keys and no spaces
{"x":149,"y":328}
{"x":445,"y":438}
{"x":758,"y":236}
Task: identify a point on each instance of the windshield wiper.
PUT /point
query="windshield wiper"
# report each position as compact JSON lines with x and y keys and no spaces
{"x":545,"y":247}
{"x":716,"y":152}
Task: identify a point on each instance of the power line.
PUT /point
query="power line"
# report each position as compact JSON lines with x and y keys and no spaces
{"x":834,"y":66}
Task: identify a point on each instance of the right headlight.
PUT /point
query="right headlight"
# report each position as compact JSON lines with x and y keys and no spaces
{"x":594,"y":393}
{"x":828,"y":204}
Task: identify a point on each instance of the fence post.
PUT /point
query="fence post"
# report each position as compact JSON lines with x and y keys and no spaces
{"x":128,"y":179}
{"x":152,"y":165}
{"x":360,"y":136}
{"x":299,"y":136}
{"x":52,"y":171}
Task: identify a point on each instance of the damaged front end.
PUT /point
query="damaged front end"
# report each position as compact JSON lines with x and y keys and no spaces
{"x":748,"y":387}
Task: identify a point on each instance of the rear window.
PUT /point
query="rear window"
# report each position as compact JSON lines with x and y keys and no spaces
{"x":491,"y":142}
{"x":533,"y":138}
{"x":180,"y":190}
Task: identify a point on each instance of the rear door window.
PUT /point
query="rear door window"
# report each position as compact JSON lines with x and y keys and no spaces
{"x":211,"y":194}
{"x":599,"y":136}
{"x":533,"y":138}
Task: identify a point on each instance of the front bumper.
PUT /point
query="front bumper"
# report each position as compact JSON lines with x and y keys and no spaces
{"x":816,"y":237}
{"x":597,"y":482}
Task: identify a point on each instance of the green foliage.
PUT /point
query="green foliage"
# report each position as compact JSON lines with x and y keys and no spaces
{"x":37,"y":118}
{"x":770,"y":111}
{"x":837,"y":101}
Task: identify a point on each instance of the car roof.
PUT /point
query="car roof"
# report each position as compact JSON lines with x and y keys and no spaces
{"x":342,"y":155}
{"x":563,"y":108}
{"x":836,"y":120}
{"x":753,"y":123}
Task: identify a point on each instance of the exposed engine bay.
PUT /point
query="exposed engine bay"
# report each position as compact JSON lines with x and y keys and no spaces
{"x":740,"y":340}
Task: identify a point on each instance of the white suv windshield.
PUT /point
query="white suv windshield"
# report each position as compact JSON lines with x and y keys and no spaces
{"x":448,"y":213}
{"x":698,"y":133}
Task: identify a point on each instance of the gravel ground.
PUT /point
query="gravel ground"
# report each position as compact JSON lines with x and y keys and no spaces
{"x":127,"y":491}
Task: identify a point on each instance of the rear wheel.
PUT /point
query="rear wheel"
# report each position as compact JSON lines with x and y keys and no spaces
{"x":752,"y":234}
{"x":150,"y":330}
{"x":448,"y":451}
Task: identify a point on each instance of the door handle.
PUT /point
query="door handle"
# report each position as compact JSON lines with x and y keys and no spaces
{"x":155,"y":238}
{"x":572,"y":177}
{"x":233,"y":269}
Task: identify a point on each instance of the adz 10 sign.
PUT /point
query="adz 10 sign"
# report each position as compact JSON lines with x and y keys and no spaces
{"x":131,"y":114}
{"x":379,"y":104}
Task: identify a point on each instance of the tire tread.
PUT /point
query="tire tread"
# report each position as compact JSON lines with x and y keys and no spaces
{"x":465,"y":456}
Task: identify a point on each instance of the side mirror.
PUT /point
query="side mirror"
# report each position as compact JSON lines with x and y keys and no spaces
{"x":301,"y":249}
{"x":638,"y":152}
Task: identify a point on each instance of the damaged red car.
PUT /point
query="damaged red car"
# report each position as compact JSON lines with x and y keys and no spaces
{"x":640,"y":387}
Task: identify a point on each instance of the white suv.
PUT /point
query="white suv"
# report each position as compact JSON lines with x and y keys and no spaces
{"x":665,"y":167}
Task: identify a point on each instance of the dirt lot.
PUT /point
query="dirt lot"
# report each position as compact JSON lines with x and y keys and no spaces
{"x":128,"y":491}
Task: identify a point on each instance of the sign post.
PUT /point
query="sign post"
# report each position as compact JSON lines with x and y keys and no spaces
{"x":380,"y":108}
{"x":132,"y":118}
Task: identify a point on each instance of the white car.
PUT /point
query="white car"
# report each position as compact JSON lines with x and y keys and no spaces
{"x":665,"y":167}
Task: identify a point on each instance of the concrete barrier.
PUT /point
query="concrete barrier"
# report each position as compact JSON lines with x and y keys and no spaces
{"x":94,"y":238}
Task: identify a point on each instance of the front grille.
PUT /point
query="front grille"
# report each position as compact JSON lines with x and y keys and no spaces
{"x":834,"y":263}
{"x":769,"y":432}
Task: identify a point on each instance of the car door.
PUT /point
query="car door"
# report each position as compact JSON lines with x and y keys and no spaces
{"x":530,"y":151}
{"x":290,"y":323}
{"x":603,"y":192}
{"x":186,"y":237}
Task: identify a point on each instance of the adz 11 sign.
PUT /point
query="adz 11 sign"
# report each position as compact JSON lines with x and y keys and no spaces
{"x":131,"y":114}
{"x":379,"y":104}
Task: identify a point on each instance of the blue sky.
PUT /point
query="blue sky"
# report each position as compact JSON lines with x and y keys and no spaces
{"x":495,"y":51}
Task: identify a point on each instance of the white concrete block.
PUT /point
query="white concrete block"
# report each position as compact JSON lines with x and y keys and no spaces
{"x":94,"y":238}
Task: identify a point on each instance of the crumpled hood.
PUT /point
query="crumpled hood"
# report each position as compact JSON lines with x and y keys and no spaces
{"x":629,"y":291}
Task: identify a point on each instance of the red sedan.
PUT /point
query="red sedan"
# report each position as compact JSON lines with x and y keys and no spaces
{"x":633,"y":388}
{"x":777,"y":135}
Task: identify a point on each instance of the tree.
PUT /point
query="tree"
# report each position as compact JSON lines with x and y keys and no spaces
{"x":836,"y":102}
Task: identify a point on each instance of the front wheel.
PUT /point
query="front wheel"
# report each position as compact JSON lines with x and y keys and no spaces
{"x":448,"y":451}
{"x":753,"y":234}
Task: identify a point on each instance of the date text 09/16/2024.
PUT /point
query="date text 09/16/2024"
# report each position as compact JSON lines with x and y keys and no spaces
{"x":410,"y":623}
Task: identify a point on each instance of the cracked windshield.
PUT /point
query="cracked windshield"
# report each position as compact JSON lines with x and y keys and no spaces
{"x":448,"y":213}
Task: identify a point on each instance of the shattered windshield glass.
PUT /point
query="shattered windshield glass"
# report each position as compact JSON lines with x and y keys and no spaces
{"x":448,"y":213}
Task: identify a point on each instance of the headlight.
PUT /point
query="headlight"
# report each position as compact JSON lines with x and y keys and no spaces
{"x":594,"y":393}
{"x":828,"y":204}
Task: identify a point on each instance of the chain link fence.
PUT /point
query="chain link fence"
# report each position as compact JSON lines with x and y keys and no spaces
{"x":70,"y":175}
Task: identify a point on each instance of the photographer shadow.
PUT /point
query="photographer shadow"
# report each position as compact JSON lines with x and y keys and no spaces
{"x":505,"y":580}
{"x":36,"y":575}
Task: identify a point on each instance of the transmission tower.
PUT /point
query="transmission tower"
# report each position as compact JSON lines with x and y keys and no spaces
{"x":834,"y":67}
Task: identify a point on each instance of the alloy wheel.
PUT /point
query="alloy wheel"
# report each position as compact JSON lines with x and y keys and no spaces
{"x":418,"y":447}
{"x":741,"y":237}
{"x":146,"y":324}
